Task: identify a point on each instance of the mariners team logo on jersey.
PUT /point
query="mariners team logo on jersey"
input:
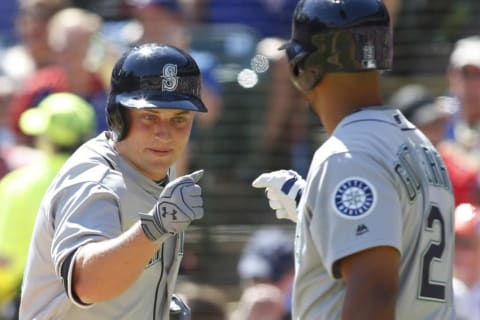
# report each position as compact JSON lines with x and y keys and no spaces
{"x":354,"y":198}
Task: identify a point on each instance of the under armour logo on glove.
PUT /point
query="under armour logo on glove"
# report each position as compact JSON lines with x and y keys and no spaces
{"x":173,"y":213}
{"x":284,"y":189}
{"x":178,"y":205}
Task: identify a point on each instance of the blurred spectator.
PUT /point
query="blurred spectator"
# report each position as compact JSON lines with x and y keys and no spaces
{"x":205,"y":301}
{"x":266,"y":269}
{"x":160,"y":21}
{"x":71,"y":33}
{"x":6,"y":136}
{"x":268,"y":18}
{"x":32,"y":52}
{"x":12,"y":155}
{"x":9,"y":10}
{"x":7,"y":89}
{"x":463,"y":74}
{"x":74,"y":36}
{"x":165,"y":21}
{"x":467,"y":261}
{"x":430,"y":115}
{"x":60,"y":124}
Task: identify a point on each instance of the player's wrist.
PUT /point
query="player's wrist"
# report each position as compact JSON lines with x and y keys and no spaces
{"x":153,"y":227}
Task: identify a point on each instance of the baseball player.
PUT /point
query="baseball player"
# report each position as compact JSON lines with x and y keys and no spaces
{"x":107,"y":243}
{"x":374,"y":224}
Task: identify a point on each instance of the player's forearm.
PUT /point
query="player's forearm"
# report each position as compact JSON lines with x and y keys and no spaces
{"x":371,"y":279}
{"x":367,"y":307}
{"x":104,"y":270}
{"x":364,"y":301}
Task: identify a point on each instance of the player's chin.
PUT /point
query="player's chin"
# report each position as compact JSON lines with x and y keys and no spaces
{"x":163,"y":160}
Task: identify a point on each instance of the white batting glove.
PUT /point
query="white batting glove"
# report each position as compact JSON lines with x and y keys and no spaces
{"x":178,"y":205}
{"x":284,"y":189}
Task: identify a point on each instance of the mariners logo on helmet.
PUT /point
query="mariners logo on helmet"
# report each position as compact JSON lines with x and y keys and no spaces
{"x":169,"y":78}
{"x":354,"y":198}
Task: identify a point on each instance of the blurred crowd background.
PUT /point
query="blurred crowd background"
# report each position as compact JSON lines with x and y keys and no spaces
{"x":256,"y":122}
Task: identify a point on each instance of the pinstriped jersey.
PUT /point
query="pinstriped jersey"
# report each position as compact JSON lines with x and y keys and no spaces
{"x":377,"y":181}
{"x":96,"y":196}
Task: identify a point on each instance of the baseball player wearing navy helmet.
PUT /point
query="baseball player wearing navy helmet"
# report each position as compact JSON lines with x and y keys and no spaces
{"x":374,"y":214}
{"x":108,"y":238}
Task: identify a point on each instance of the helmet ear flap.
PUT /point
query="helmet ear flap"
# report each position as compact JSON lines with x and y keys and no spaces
{"x":303,"y":77}
{"x":117,"y":120}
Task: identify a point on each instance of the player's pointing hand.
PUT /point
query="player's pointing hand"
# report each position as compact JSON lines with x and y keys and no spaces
{"x":284,"y":189}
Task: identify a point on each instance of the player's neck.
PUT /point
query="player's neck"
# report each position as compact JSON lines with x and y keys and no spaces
{"x":340,"y":94}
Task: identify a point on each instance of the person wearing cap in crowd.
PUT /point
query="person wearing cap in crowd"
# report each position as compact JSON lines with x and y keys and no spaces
{"x":108,"y":239}
{"x":467,"y":261}
{"x":60,"y":123}
{"x":430,"y":113}
{"x":463,"y":75}
{"x":266,"y":268}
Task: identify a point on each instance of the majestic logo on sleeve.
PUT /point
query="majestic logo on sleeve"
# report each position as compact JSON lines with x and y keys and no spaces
{"x":354,"y":198}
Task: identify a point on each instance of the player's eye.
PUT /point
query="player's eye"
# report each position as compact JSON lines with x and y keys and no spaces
{"x":179,"y":120}
{"x":149,"y":116}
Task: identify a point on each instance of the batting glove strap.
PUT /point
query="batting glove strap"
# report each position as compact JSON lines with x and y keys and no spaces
{"x":294,"y":186}
{"x":153,"y":227}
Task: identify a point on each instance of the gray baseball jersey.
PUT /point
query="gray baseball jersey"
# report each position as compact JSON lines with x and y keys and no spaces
{"x":377,"y":181}
{"x":96,"y":196}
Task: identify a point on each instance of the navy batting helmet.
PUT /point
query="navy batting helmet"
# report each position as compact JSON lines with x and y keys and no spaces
{"x":338,"y":36}
{"x":152,"y":76}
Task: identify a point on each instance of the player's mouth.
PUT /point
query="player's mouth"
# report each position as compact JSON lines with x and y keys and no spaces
{"x":160,"y":151}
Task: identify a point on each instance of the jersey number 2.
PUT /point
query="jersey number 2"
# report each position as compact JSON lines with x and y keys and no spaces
{"x":429,"y":289}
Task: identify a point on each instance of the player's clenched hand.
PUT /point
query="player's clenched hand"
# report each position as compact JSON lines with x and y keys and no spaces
{"x":284,"y":189}
{"x":178,"y":205}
